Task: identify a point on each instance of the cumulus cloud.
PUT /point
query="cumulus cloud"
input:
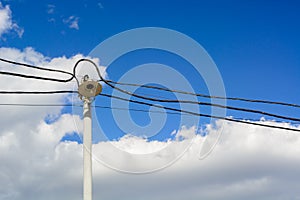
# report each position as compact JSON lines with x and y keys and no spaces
{"x":26,"y":138}
{"x":6,"y":23}
{"x":247,"y":163}
{"x":72,"y":22}
{"x":20,"y":115}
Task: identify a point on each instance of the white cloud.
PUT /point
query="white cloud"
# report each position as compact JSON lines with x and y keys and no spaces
{"x":6,"y":23}
{"x":248,"y":162}
{"x":17,"y":116}
{"x":72,"y":22}
{"x":29,"y":146}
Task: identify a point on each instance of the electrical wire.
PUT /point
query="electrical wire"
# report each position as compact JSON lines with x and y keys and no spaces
{"x":222,"y":106}
{"x":86,"y":60}
{"x":179,"y":113}
{"x":38,"y":68}
{"x":227,"y":107}
{"x":108,"y":82}
{"x":38,"y":105}
{"x":206,"y":96}
{"x":93,"y":106}
{"x":35,"y":77}
{"x":35,"y":67}
{"x":115,"y":108}
{"x":180,"y":101}
{"x":38,"y":92}
{"x":201,"y":115}
{"x":128,"y":84}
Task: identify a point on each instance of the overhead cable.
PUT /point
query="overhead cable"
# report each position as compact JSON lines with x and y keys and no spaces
{"x":34,"y":66}
{"x":38,"y":92}
{"x":199,"y":114}
{"x":115,"y":108}
{"x":204,"y":95}
{"x":179,"y":101}
{"x":38,"y":68}
{"x":34,"y":77}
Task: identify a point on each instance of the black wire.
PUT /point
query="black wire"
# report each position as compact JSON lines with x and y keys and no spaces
{"x":38,"y":68}
{"x":206,"y":104}
{"x":132,"y":94}
{"x":93,"y":106}
{"x":178,"y":111}
{"x":180,"y":101}
{"x":221,"y":106}
{"x":199,"y":114}
{"x":226,"y":107}
{"x":206,"y":96}
{"x":38,"y":105}
{"x":132,"y":84}
{"x":113,"y":108}
{"x":38,"y":92}
{"x":35,"y":77}
{"x":140,"y":110}
{"x":35,"y":67}
{"x":128,"y":84}
{"x":85,"y":60}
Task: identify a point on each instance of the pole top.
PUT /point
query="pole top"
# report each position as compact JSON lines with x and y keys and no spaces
{"x":89,"y":88}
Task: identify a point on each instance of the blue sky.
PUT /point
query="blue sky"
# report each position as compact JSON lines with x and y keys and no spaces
{"x":255,"y":46}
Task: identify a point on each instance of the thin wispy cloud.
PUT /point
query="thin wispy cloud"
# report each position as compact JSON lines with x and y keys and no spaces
{"x":100,"y":5}
{"x":72,"y":22}
{"x":50,"y":8}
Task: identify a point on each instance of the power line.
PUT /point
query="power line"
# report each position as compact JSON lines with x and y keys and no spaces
{"x":178,"y":113}
{"x":108,"y":82}
{"x":201,"y":115}
{"x":85,"y":60}
{"x":204,"y":95}
{"x":38,"y":68}
{"x":220,"y":106}
{"x":205,"y":104}
{"x":35,"y":67}
{"x":180,"y":101}
{"x":140,"y":110}
{"x":35,"y":77}
{"x":128,"y":84}
{"x":38,"y":105}
{"x":108,"y":107}
{"x":131,"y":109}
{"x":94,"y":106}
{"x":38,"y":92}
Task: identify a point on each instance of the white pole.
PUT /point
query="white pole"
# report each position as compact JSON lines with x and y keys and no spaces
{"x":87,"y":150}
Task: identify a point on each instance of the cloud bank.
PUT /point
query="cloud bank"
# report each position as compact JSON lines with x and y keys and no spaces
{"x":247,"y":163}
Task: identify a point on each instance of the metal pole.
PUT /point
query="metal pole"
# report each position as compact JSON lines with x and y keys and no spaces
{"x":88,"y":90}
{"x":87,"y":150}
